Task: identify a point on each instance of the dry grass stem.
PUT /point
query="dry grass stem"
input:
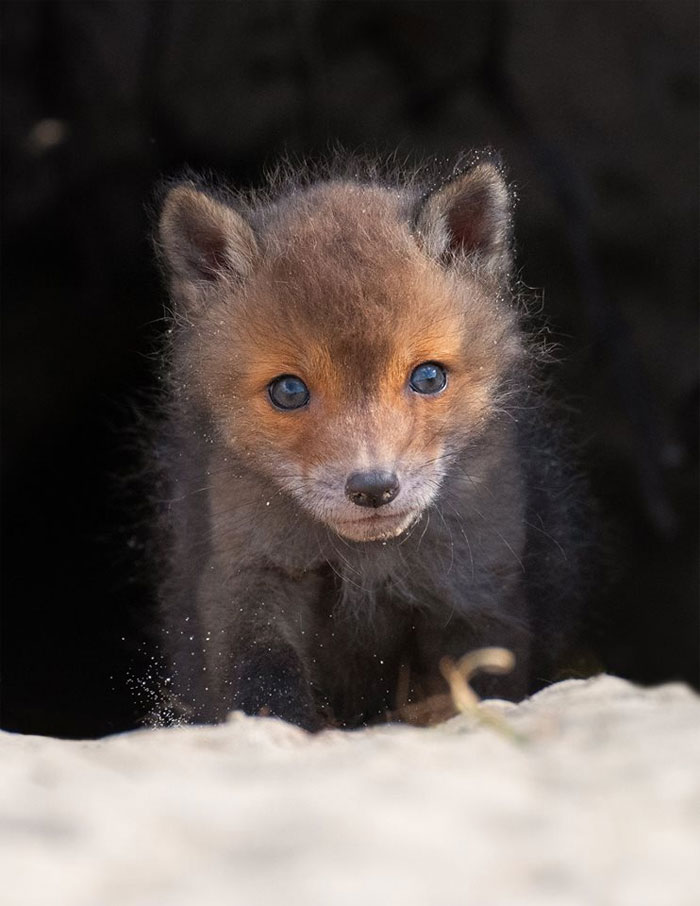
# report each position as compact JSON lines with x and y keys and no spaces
{"x":461,"y":698}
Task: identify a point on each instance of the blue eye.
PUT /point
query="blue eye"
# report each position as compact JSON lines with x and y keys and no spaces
{"x":288,"y":392}
{"x":428,"y":378}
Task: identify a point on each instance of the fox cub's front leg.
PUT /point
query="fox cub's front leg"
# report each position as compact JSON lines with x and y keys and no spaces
{"x":257,"y":663}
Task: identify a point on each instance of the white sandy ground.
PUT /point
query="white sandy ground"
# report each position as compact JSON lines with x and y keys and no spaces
{"x":600,"y":806}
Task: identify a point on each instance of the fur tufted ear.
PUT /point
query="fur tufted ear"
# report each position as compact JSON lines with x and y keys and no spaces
{"x":204,"y":241}
{"x":469,"y":214}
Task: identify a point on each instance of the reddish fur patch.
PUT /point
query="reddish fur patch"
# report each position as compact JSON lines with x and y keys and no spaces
{"x":345,"y":299}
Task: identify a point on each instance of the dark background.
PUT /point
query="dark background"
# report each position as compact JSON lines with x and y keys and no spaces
{"x":595,"y":108}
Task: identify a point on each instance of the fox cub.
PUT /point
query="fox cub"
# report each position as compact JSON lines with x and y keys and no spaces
{"x":361,"y":472}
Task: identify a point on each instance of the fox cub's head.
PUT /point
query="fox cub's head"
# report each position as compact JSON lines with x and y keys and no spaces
{"x":348,"y":338}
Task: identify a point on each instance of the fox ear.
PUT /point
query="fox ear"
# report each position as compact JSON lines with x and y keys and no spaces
{"x":204,"y":241}
{"x":469,"y":214}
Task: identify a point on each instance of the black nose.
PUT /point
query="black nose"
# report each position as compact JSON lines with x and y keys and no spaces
{"x":372,"y":488}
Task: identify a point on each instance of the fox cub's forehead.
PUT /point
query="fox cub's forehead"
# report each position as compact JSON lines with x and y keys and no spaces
{"x":348,"y":252}
{"x":344,"y":279}
{"x":330,"y":212}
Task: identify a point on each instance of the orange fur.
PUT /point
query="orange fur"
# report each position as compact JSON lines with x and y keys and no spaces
{"x":345,"y":299}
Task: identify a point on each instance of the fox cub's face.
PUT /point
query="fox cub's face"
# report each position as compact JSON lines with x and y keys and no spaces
{"x":349,"y":340}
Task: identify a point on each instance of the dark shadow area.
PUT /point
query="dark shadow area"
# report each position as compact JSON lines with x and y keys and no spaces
{"x":595,"y":109}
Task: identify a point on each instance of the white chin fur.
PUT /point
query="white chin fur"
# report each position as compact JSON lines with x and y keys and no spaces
{"x":375,"y":527}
